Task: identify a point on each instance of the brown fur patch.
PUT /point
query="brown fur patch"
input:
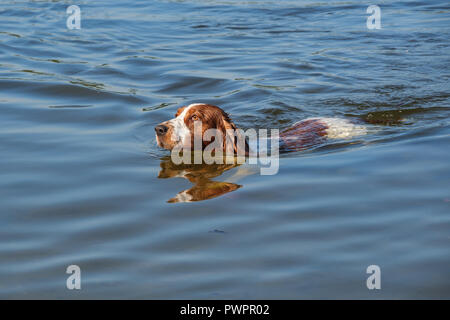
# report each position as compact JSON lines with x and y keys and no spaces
{"x":303,"y":135}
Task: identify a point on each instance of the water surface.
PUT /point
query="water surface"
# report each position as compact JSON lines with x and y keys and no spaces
{"x":84,"y":183}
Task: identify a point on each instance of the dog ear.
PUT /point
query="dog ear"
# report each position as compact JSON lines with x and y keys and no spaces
{"x":232,"y":135}
{"x":179,"y":111}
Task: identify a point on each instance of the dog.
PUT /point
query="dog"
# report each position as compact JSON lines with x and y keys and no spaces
{"x":300,"y":136}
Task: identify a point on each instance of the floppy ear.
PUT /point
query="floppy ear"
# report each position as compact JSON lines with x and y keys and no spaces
{"x":232,"y":135}
{"x":179,"y":111}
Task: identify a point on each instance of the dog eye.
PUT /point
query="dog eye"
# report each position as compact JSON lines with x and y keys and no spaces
{"x":195,"y":117}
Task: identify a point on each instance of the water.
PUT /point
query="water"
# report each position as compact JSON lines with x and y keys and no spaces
{"x":84,"y":183}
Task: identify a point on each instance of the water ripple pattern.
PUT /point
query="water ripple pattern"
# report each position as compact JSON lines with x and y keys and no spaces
{"x":83,"y":182}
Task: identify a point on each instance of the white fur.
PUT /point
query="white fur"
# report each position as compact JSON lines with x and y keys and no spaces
{"x":339,"y":128}
{"x":180,"y":131}
{"x":183,"y":197}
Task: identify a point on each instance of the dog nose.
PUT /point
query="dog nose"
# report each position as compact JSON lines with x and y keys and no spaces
{"x":161,"y":129}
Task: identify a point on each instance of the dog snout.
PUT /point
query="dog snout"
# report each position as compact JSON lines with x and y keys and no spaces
{"x":161,"y":129}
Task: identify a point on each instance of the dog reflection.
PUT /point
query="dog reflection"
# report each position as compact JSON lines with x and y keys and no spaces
{"x":200,"y":176}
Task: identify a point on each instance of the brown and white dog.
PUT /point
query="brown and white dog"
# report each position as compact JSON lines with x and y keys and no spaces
{"x":301,"y":135}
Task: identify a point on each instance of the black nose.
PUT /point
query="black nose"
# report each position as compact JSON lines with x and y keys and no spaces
{"x":161,"y":129}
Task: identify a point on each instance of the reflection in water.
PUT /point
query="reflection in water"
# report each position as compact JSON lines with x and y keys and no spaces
{"x":200,"y":175}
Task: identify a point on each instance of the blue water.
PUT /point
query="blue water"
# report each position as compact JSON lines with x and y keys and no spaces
{"x":84,"y":183}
